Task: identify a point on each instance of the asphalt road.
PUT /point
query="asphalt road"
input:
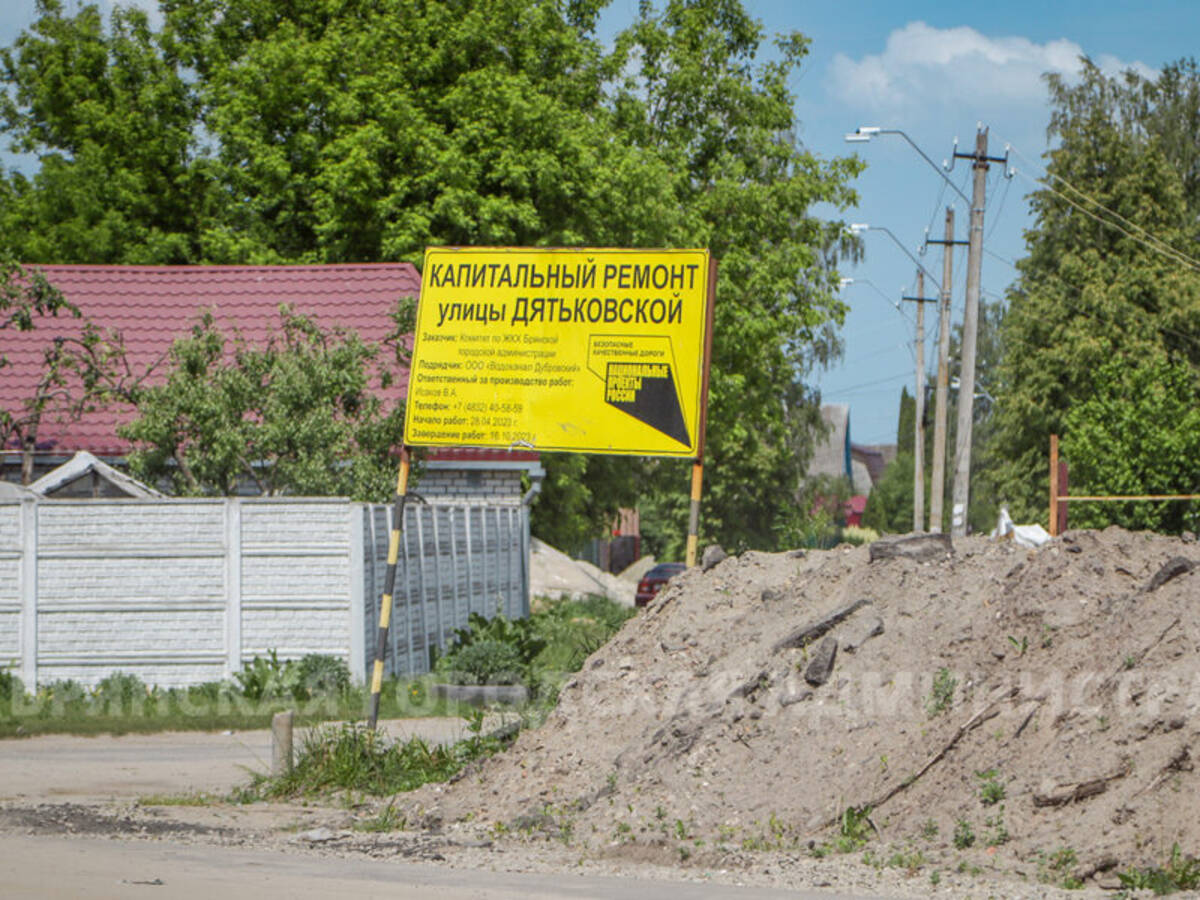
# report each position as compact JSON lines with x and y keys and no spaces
{"x":52,"y":867}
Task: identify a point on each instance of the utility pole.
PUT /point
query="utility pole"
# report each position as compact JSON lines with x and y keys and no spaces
{"x":918,"y":430}
{"x":938,"y":479}
{"x":966,"y":393}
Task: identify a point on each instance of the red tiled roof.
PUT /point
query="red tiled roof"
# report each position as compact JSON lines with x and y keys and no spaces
{"x":151,"y":306}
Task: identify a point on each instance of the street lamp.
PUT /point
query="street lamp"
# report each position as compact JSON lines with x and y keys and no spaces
{"x":846,"y":282}
{"x":860,"y":227}
{"x":864,"y":133}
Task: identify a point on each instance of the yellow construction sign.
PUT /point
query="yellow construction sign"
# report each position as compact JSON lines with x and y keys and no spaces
{"x":584,"y":350}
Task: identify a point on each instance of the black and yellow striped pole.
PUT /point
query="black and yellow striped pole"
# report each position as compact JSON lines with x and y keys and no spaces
{"x":693,"y":537}
{"x":389,"y":585}
{"x":694,"y":512}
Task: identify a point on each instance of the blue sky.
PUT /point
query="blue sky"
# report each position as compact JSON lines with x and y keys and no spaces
{"x":933,"y":70}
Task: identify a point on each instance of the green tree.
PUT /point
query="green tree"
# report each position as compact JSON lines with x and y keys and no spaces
{"x":890,"y":503}
{"x":26,"y":297}
{"x":1088,"y":290}
{"x":296,"y":416}
{"x":1137,"y":433}
{"x":905,"y":437}
{"x":112,"y":119}
{"x":79,"y":366}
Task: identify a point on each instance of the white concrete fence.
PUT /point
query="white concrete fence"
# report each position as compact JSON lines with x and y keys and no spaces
{"x":180,"y":592}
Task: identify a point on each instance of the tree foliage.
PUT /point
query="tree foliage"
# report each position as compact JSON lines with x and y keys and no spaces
{"x":890,"y":503}
{"x":360,"y":130}
{"x":79,"y":367}
{"x":1089,"y":291}
{"x":26,"y":297}
{"x":296,"y":416}
{"x":1137,"y":433}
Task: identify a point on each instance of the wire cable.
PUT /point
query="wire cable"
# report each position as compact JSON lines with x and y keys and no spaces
{"x":1149,"y":241}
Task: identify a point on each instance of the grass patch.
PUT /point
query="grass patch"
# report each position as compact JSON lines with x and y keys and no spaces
{"x":67,"y":707}
{"x":352,"y":757}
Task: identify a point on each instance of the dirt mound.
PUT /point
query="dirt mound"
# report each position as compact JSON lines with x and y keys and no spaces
{"x":1034,"y":709}
{"x":554,"y":574}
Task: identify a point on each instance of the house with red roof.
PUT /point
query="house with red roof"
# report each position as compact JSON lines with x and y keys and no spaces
{"x":149,"y":307}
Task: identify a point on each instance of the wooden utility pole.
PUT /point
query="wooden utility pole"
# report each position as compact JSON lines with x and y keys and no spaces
{"x":918,"y":430}
{"x":938,"y":480}
{"x":961,"y":496}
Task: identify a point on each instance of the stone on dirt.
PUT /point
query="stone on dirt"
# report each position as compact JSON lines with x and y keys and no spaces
{"x":1172,"y":568}
{"x":921,"y":547}
{"x":821,"y":664}
{"x":814,"y":630}
{"x":873,"y":627}
{"x":712,"y":555}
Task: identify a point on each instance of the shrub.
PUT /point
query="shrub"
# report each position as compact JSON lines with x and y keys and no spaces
{"x":853,"y":534}
{"x":268,"y":679}
{"x":11,"y":689}
{"x":488,"y":661}
{"x":320,"y":674}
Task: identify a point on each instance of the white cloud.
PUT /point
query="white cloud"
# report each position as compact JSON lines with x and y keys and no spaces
{"x":922,"y":66}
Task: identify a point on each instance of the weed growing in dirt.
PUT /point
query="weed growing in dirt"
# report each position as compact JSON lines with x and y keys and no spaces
{"x":1022,"y":645}
{"x":999,"y":831}
{"x":991,"y":791}
{"x":777,"y":835}
{"x":910,"y":860}
{"x":1179,"y":874}
{"x":1056,"y":868}
{"x":389,"y":819}
{"x":935,"y":877}
{"x":964,"y":835}
{"x":353,"y":757}
{"x":854,"y":829}
{"x":929,"y":829}
{"x":943,"y":692}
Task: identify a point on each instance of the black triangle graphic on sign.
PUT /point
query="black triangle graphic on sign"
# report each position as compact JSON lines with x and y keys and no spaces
{"x":647,"y":392}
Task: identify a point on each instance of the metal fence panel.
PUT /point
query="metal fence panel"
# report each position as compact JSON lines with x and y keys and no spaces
{"x":455,"y":559}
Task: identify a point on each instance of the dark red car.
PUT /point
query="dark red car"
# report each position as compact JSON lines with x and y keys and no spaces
{"x":653,"y":581}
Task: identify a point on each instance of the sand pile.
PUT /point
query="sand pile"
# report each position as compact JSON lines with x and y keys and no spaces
{"x":554,"y":574}
{"x":1049,"y":699}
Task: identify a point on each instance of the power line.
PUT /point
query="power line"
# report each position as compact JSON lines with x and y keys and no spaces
{"x":1003,"y":259}
{"x":1150,"y":241}
{"x":1003,"y":197}
{"x":867,"y":384}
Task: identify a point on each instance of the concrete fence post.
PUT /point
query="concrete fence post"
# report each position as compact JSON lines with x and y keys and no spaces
{"x":281,"y":743}
{"x":29,"y":593}
{"x":233,"y":586}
